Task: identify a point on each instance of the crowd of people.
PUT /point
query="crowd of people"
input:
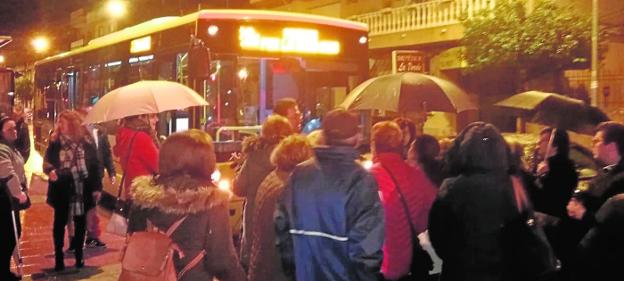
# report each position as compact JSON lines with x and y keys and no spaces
{"x":314,"y":212}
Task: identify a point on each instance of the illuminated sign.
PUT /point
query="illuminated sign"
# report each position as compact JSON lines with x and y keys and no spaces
{"x":141,"y":44}
{"x":293,"y":40}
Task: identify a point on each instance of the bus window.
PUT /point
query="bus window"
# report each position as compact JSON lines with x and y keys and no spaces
{"x":6,"y":85}
{"x":141,"y":68}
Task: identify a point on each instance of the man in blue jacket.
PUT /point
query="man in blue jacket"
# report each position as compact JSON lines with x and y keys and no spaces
{"x":329,"y":222}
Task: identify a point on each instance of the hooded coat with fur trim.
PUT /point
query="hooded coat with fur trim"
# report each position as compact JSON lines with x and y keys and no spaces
{"x":255,"y":168}
{"x":206,"y":228}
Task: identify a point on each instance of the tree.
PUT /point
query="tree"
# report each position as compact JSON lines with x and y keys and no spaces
{"x":24,"y":88}
{"x":511,"y":40}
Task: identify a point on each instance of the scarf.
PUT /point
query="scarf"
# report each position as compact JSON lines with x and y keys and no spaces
{"x":72,"y":158}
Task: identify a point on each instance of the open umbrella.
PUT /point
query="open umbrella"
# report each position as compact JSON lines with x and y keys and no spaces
{"x":405,"y":92}
{"x":143,"y":97}
{"x":555,"y":110}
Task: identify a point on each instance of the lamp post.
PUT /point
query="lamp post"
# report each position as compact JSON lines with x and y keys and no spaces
{"x":594,"y":55}
{"x":115,"y":9}
{"x":40,"y":44}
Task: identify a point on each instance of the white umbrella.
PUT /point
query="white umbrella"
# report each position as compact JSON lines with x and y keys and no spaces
{"x":143,"y":97}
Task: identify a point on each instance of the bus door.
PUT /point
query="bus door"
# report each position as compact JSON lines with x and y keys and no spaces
{"x":71,"y":84}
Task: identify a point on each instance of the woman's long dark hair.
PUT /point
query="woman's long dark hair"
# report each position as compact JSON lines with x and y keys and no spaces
{"x":4,"y":120}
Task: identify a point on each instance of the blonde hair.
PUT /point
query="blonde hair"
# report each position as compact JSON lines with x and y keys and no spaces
{"x":74,"y":124}
{"x":275,"y":128}
{"x":291,"y":151}
{"x":386,"y":136}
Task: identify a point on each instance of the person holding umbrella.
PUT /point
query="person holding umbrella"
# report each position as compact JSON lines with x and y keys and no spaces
{"x":137,"y":148}
{"x":13,"y":180}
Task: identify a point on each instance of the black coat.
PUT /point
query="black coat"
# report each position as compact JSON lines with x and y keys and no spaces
{"x":601,"y":189}
{"x":465,"y":225}
{"x":557,"y":187}
{"x":104,"y":153}
{"x":60,"y":191}
{"x":602,"y":250}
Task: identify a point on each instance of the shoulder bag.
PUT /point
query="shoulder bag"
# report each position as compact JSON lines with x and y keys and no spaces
{"x":118,"y":223}
{"x":421,"y":260}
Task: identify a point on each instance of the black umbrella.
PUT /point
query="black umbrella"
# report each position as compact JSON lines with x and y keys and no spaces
{"x":556,"y":111}
{"x":408,"y":92}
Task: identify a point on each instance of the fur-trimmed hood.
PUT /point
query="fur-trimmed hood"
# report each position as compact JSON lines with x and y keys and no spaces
{"x":147,"y":194}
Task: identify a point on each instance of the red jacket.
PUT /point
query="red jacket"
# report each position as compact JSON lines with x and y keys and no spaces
{"x":419,"y":193}
{"x":143,"y":159}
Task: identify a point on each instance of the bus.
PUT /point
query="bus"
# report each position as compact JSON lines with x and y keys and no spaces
{"x":240,"y":61}
{"x":7,"y":88}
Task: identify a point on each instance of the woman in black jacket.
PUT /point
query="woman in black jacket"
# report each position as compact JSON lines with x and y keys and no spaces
{"x":556,"y":181}
{"x":11,"y":192}
{"x":72,"y":167}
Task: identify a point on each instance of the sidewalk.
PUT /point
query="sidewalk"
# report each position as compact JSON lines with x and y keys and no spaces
{"x":37,"y":247}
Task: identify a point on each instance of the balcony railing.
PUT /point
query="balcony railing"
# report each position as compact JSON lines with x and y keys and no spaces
{"x":429,"y":14}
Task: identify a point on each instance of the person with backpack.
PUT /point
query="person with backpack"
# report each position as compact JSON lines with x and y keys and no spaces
{"x":182,"y":216}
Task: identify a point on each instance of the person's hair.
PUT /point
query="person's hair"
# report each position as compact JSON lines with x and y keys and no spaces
{"x":479,"y":148}
{"x":561,"y":140}
{"x":427,"y":147}
{"x":74,"y":124}
{"x":283,"y":105}
{"x":613,"y":132}
{"x":406,"y":123}
{"x":291,"y":151}
{"x":275,"y":128}
{"x":187,"y":154}
{"x":386,"y":136}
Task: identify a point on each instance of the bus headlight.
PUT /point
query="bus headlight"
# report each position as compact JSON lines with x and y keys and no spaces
{"x":213,"y":30}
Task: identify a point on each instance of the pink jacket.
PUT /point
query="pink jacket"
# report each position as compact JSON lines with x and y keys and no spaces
{"x":419,"y":193}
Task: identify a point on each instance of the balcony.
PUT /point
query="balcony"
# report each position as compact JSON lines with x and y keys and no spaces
{"x":430,"y":18}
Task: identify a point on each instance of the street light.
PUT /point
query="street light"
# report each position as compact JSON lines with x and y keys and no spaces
{"x":40,"y":44}
{"x":593,"y":86}
{"x":116,"y":8}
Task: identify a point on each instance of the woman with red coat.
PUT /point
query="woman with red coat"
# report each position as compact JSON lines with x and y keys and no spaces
{"x":417,"y":191}
{"x":137,"y":148}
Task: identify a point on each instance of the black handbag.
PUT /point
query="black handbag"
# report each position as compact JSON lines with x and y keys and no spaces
{"x":527,"y":253}
{"x":421,"y":260}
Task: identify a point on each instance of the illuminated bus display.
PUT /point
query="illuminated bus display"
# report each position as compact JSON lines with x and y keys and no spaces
{"x":293,"y":40}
